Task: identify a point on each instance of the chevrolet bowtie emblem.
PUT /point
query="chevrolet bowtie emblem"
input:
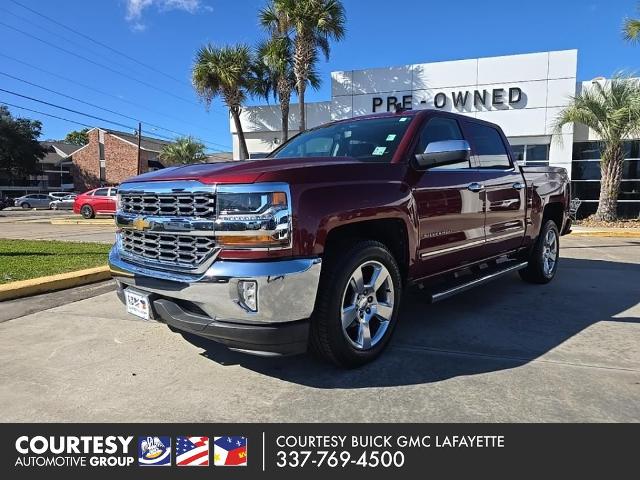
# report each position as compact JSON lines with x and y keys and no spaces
{"x":141,"y":223}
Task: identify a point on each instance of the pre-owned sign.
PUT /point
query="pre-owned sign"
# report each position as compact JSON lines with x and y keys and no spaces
{"x":460,"y":99}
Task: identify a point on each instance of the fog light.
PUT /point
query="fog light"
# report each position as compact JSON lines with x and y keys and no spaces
{"x":248,"y":294}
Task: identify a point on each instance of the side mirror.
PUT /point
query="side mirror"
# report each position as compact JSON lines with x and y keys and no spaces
{"x":444,"y":152}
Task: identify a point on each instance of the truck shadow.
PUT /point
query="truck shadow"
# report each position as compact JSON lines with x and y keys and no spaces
{"x":501,"y":325}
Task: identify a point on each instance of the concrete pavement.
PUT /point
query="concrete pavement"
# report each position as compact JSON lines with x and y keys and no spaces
{"x":506,"y":351}
{"x":35,"y":225}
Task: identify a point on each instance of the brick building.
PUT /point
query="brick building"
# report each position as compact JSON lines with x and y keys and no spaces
{"x":111,"y":157}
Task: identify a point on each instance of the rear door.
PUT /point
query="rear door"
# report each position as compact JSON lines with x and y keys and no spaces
{"x":502,"y":187}
{"x":451,"y":216}
{"x":101,"y":200}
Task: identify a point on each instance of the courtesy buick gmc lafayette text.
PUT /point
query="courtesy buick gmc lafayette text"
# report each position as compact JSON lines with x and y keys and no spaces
{"x":314,"y":245}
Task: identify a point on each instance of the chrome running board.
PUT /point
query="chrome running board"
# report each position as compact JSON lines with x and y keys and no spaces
{"x":453,"y":290}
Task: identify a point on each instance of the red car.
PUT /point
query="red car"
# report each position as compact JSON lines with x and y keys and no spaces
{"x":100,"y":201}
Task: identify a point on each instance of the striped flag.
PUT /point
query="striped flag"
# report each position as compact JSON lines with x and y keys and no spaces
{"x":230,"y":451}
{"x":192,"y":451}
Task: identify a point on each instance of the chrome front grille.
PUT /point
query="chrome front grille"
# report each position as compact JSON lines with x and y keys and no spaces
{"x":187,"y":251}
{"x":169,"y":204}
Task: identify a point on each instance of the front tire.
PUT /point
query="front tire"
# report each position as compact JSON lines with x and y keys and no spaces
{"x":87,"y":212}
{"x":357,"y":306}
{"x":25,"y":205}
{"x":543,"y":259}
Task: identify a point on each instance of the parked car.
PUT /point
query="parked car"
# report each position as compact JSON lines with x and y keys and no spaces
{"x":315,"y":244}
{"x":33,"y":200}
{"x":63,"y":203}
{"x":60,"y":194}
{"x":99,"y":201}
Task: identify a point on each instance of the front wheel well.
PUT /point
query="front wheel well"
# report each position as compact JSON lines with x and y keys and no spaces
{"x":391,"y":232}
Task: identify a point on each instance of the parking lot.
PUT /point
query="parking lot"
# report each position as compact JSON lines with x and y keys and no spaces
{"x":507,"y":351}
{"x":36,"y":225}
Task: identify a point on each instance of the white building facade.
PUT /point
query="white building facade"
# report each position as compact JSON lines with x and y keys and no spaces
{"x":521,"y":93}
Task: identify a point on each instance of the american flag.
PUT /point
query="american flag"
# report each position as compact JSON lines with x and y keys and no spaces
{"x":192,"y":451}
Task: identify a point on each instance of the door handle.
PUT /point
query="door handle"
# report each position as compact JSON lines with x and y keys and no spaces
{"x":475,"y":187}
{"x":519,"y":185}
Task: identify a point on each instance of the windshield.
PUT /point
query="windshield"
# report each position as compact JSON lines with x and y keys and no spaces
{"x":373,"y":140}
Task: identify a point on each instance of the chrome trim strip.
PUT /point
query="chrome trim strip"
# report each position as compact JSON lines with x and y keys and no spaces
{"x":436,"y":297}
{"x":177,"y":186}
{"x":196,"y":226}
{"x":475,"y":243}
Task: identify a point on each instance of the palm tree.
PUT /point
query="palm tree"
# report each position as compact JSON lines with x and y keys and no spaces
{"x":184,"y":150}
{"x":631,"y":29}
{"x":612,"y":110}
{"x":225,"y":72}
{"x":313,"y":23}
{"x":274,"y":76}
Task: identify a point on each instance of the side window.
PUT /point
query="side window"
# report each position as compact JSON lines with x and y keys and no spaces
{"x":101,"y":192}
{"x":113,"y":192}
{"x":487,"y":146}
{"x":438,"y":129}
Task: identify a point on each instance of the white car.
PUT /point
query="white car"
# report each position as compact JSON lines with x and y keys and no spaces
{"x":64,"y":203}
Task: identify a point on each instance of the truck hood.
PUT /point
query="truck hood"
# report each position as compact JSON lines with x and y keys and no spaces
{"x":244,"y":171}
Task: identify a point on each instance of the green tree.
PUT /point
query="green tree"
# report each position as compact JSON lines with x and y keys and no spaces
{"x":77,"y":137}
{"x":273,"y":72}
{"x":184,"y":150}
{"x":631,"y":29}
{"x":20,"y":149}
{"x":225,"y":72}
{"x":612,"y":110}
{"x":312,"y":24}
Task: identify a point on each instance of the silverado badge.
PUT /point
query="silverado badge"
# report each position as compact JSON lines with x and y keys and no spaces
{"x":141,"y":223}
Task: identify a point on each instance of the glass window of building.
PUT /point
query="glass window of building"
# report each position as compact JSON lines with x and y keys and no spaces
{"x":534,"y":155}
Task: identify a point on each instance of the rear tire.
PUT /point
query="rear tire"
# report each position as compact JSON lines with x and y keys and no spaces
{"x":360,"y":288}
{"x":87,"y":212}
{"x":543,"y":259}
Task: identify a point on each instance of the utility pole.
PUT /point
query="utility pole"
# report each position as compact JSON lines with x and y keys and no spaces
{"x":139,"y":141}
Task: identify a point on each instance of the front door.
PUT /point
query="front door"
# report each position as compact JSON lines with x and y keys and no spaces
{"x":451,"y":216}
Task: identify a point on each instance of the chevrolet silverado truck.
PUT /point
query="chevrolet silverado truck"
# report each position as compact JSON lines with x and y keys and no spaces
{"x":314,"y":245}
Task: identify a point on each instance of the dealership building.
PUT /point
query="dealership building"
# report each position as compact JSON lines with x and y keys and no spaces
{"x":521,"y":93}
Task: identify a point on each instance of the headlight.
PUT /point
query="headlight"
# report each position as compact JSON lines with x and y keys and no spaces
{"x":118,"y":202}
{"x":250,"y":218}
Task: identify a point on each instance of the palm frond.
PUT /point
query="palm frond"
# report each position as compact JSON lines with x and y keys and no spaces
{"x":631,"y":30}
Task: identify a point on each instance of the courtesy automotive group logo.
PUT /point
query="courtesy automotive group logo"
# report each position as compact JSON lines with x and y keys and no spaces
{"x":75,"y":451}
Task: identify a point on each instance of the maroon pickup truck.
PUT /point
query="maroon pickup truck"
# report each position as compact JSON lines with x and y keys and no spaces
{"x":314,"y":245}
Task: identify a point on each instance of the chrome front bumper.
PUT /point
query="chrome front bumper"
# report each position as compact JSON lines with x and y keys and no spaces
{"x":286,"y":288}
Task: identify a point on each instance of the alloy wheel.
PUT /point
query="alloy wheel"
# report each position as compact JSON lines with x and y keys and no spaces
{"x":367,"y":305}
{"x":549,"y":253}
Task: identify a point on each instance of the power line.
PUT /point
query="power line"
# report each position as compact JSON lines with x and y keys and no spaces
{"x":46,"y":114}
{"x":78,"y":123}
{"x":106,"y":67}
{"x":97,"y":42}
{"x":65,"y":108}
{"x":98,"y":106}
{"x":94,"y":53}
{"x":101,"y":92}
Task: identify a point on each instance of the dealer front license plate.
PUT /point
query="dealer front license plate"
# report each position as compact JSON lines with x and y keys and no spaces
{"x":137,"y":303}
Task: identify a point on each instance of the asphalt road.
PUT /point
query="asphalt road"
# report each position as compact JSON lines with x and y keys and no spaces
{"x":35,"y":225}
{"x":506,"y":352}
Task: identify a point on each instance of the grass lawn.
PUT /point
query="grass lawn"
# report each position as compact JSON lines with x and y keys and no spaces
{"x":24,"y":259}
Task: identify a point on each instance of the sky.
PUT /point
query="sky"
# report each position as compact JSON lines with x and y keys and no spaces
{"x":131,"y":59}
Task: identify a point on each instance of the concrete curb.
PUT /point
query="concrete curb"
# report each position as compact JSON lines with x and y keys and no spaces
{"x":81,"y":221}
{"x":25,"y":288}
{"x":605,"y":233}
